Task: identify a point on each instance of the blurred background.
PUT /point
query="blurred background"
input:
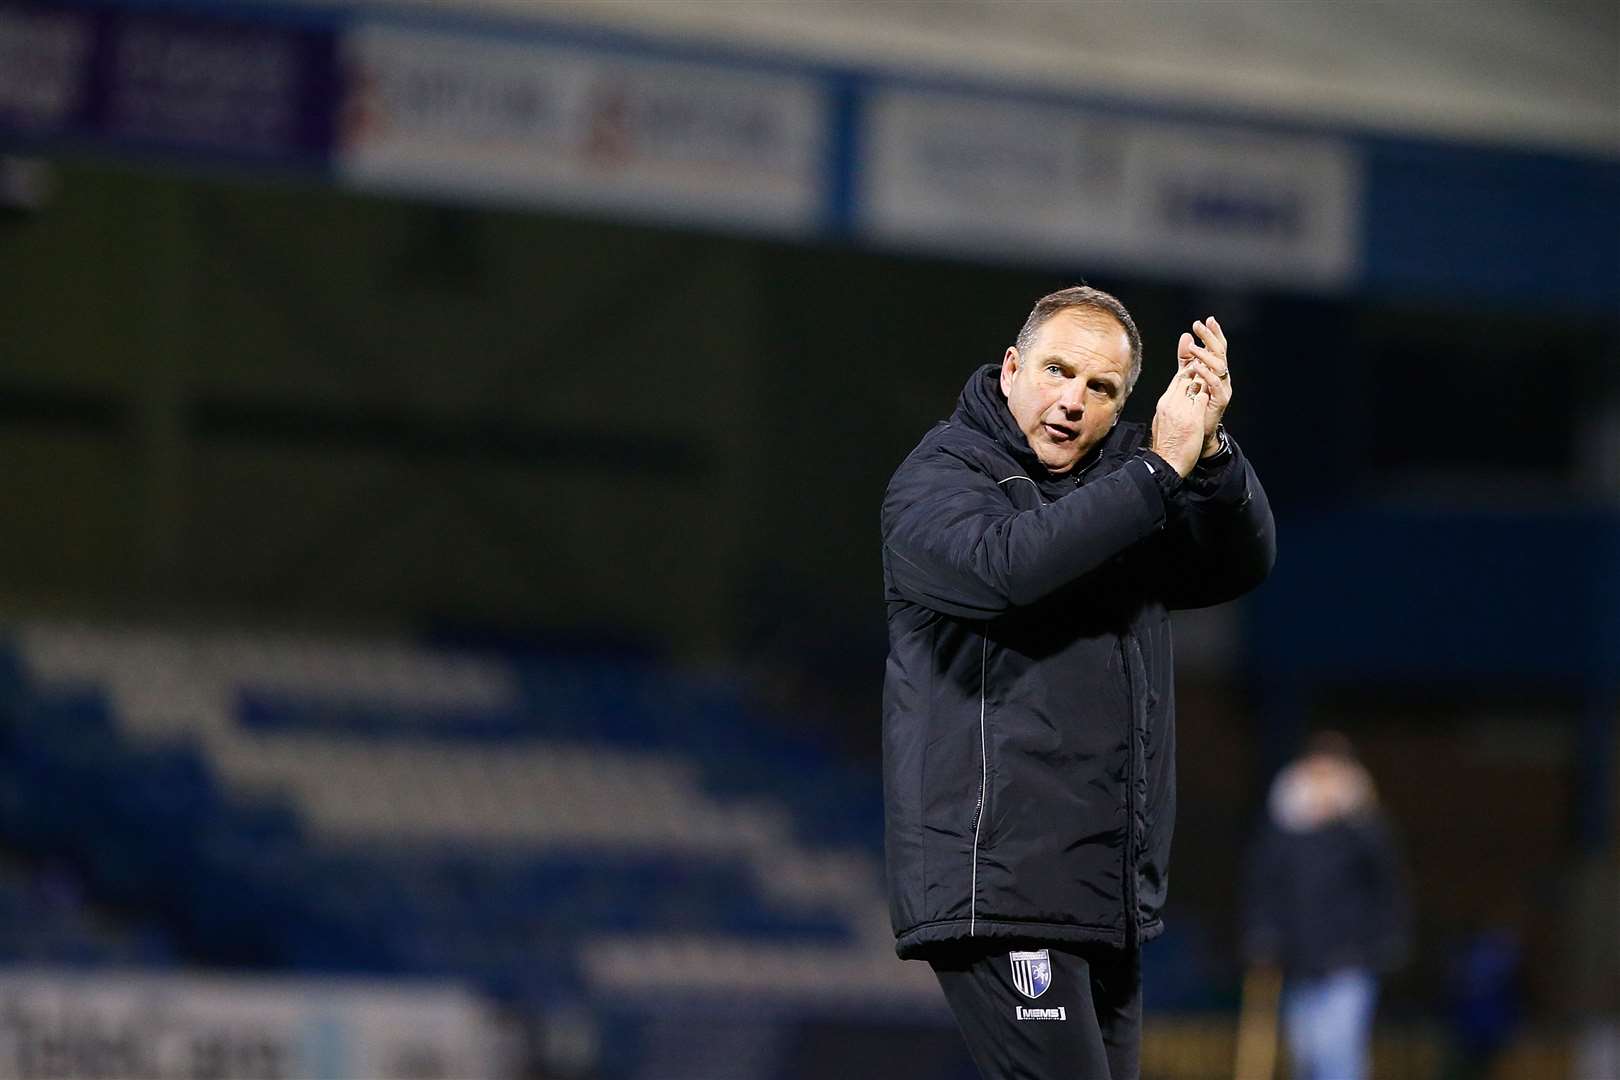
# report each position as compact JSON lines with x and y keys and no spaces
{"x":440,"y":450}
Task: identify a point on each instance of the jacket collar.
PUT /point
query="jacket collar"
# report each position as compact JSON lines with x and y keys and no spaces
{"x":983,"y":408}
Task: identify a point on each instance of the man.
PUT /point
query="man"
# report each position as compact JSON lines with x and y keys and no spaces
{"x":1327,"y":905}
{"x":1032,"y":546}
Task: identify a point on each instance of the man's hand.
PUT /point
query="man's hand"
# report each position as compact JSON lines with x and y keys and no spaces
{"x":1178,"y":420}
{"x":1207,"y":358}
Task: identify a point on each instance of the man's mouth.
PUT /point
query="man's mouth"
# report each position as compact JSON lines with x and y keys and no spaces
{"x":1060,"y":433}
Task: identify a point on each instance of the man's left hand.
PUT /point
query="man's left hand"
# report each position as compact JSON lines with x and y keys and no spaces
{"x":1207,"y":359}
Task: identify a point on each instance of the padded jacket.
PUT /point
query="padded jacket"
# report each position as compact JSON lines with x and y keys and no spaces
{"x":1028,"y":703}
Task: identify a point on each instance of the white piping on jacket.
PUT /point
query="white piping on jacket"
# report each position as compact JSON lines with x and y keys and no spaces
{"x":984,"y":786}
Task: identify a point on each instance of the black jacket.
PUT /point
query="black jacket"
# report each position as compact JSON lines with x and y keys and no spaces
{"x":1327,"y":898}
{"x":1028,"y":706}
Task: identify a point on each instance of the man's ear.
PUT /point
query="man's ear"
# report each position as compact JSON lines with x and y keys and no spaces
{"x":1009,"y":368}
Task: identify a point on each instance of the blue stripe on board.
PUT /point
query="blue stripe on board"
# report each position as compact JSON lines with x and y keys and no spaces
{"x":1492,"y":224}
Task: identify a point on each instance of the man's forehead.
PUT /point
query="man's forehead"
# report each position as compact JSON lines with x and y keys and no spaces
{"x":1084,"y":336}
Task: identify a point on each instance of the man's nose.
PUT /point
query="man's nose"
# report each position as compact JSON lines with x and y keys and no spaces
{"x":1073,"y":397}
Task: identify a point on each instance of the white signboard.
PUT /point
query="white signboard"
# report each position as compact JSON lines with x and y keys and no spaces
{"x":158,"y":1027}
{"x":479,"y":116}
{"x":969,"y":174}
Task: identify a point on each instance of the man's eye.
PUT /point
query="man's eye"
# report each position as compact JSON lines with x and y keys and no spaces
{"x":1054,"y":369}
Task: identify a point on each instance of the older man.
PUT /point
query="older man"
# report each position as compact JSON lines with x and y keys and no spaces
{"x":1032,"y":547}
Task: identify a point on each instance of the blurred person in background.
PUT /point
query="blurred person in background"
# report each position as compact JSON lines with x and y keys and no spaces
{"x":1486,"y":995}
{"x":1327,"y":906}
{"x":1032,"y":547}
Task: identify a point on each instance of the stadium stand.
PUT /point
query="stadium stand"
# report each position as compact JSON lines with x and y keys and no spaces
{"x":551,"y":829}
{"x":45,"y":919}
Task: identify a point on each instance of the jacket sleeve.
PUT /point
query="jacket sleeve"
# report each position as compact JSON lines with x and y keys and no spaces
{"x":953,"y":542}
{"x":1220,"y":539}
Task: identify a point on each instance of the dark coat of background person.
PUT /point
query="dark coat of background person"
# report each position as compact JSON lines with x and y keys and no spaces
{"x":1328,"y":898}
{"x":1028,"y":713}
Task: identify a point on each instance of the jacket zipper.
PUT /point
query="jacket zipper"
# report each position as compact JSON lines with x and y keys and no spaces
{"x":984,"y":781}
{"x":1129,"y":874}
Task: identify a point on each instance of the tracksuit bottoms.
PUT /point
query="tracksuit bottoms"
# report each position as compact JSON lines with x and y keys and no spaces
{"x":1039,"y":1012}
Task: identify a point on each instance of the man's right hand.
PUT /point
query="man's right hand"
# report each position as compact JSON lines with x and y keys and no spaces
{"x":1178,"y":421}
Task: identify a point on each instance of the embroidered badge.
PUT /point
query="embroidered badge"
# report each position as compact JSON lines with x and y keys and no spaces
{"x":1031,"y":972}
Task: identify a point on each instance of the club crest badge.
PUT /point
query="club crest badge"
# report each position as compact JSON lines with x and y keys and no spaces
{"x":1031,"y":972}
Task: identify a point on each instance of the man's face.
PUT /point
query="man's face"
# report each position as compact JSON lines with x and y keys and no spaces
{"x":1066,"y":391}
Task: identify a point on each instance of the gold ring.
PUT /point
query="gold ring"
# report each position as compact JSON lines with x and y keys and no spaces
{"x":1225,"y":375}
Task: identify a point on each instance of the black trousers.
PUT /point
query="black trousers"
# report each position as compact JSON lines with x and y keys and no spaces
{"x":1040,"y":1012}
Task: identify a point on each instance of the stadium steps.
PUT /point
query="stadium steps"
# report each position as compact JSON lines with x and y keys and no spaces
{"x":523,"y":823}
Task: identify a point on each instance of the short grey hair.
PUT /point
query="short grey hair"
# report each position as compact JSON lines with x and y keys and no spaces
{"x":1085,"y":298}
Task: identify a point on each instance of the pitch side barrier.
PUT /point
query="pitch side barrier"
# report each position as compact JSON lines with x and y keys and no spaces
{"x":120,"y":1024}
